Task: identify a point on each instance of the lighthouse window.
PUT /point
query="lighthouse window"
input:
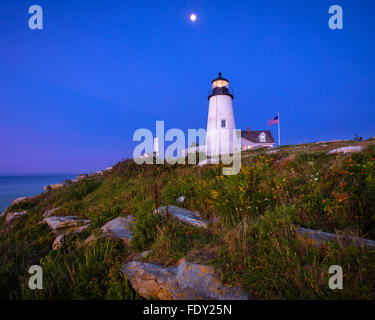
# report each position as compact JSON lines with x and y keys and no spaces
{"x":223,"y":123}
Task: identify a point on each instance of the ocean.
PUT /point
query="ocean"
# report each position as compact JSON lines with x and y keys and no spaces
{"x":15,"y":186}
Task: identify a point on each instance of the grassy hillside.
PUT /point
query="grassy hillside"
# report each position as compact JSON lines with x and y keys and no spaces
{"x":251,"y":237}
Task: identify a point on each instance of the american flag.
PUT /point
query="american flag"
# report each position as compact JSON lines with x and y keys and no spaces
{"x":273,"y":121}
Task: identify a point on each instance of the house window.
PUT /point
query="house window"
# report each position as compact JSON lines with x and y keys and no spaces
{"x":223,"y":123}
{"x":262,"y":137}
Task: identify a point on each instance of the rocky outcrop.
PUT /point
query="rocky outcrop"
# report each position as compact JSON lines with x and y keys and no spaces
{"x":190,"y":217}
{"x":14,"y":215}
{"x":318,"y":238}
{"x":119,"y":228}
{"x":185,"y":281}
{"x":345,"y":150}
{"x":21,"y":199}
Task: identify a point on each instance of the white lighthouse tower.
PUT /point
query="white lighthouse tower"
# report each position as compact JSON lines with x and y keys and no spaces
{"x":220,"y":123}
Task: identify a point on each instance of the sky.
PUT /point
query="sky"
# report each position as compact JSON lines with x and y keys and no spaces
{"x":73,"y":94}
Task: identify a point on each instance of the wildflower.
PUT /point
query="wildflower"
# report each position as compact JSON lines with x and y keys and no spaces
{"x":342,"y":184}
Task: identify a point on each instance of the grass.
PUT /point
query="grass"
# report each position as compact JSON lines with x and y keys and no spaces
{"x":251,"y":238}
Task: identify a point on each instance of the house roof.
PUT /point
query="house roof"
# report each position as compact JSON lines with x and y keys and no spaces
{"x":254,"y":136}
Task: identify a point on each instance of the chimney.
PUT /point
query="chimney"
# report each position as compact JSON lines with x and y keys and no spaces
{"x":248,"y":133}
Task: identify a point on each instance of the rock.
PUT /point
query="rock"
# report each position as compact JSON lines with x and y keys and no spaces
{"x":318,"y":238}
{"x":53,"y":186}
{"x":63,"y":224}
{"x":345,"y":150}
{"x":100,"y":172}
{"x":119,"y":228}
{"x":185,"y":281}
{"x":190,"y":217}
{"x":14,"y":215}
{"x":108,"y":169}
{"x":181,"y":199}
{"x":59,"y":242}
{"x":49,"y":213}
{"x":91,"y":238}
{"x":21,"y":199}
{"x":144,"y":254}
{"x":79,"y":178}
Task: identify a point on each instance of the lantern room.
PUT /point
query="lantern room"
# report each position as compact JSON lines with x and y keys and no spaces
{"x":220,"y":86}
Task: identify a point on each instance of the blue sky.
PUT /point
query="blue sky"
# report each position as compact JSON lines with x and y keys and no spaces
{"x":72,"y":94}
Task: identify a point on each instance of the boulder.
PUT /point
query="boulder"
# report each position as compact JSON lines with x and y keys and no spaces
{"x":14,"y":215}
{"x":108,"y":169}
{"x":318,"y":238}
{"x":190,"y":217}
{"x":185,"y":281}
{"x":119,"y":228}
{"x":66,"y":224}
{"x":348,"y":149}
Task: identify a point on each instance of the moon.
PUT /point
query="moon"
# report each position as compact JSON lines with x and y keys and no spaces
{"x":193,"y":17}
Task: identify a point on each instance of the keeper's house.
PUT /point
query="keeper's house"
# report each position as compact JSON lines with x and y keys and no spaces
{"x":256,"y":139}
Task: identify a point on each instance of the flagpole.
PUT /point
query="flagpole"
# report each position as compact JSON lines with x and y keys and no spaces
{"x":278,"y":126}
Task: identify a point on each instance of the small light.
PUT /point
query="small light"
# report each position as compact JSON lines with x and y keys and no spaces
{"x":193,"y":17}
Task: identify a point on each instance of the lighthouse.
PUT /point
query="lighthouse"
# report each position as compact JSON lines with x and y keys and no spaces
{"x":220,"y":122}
